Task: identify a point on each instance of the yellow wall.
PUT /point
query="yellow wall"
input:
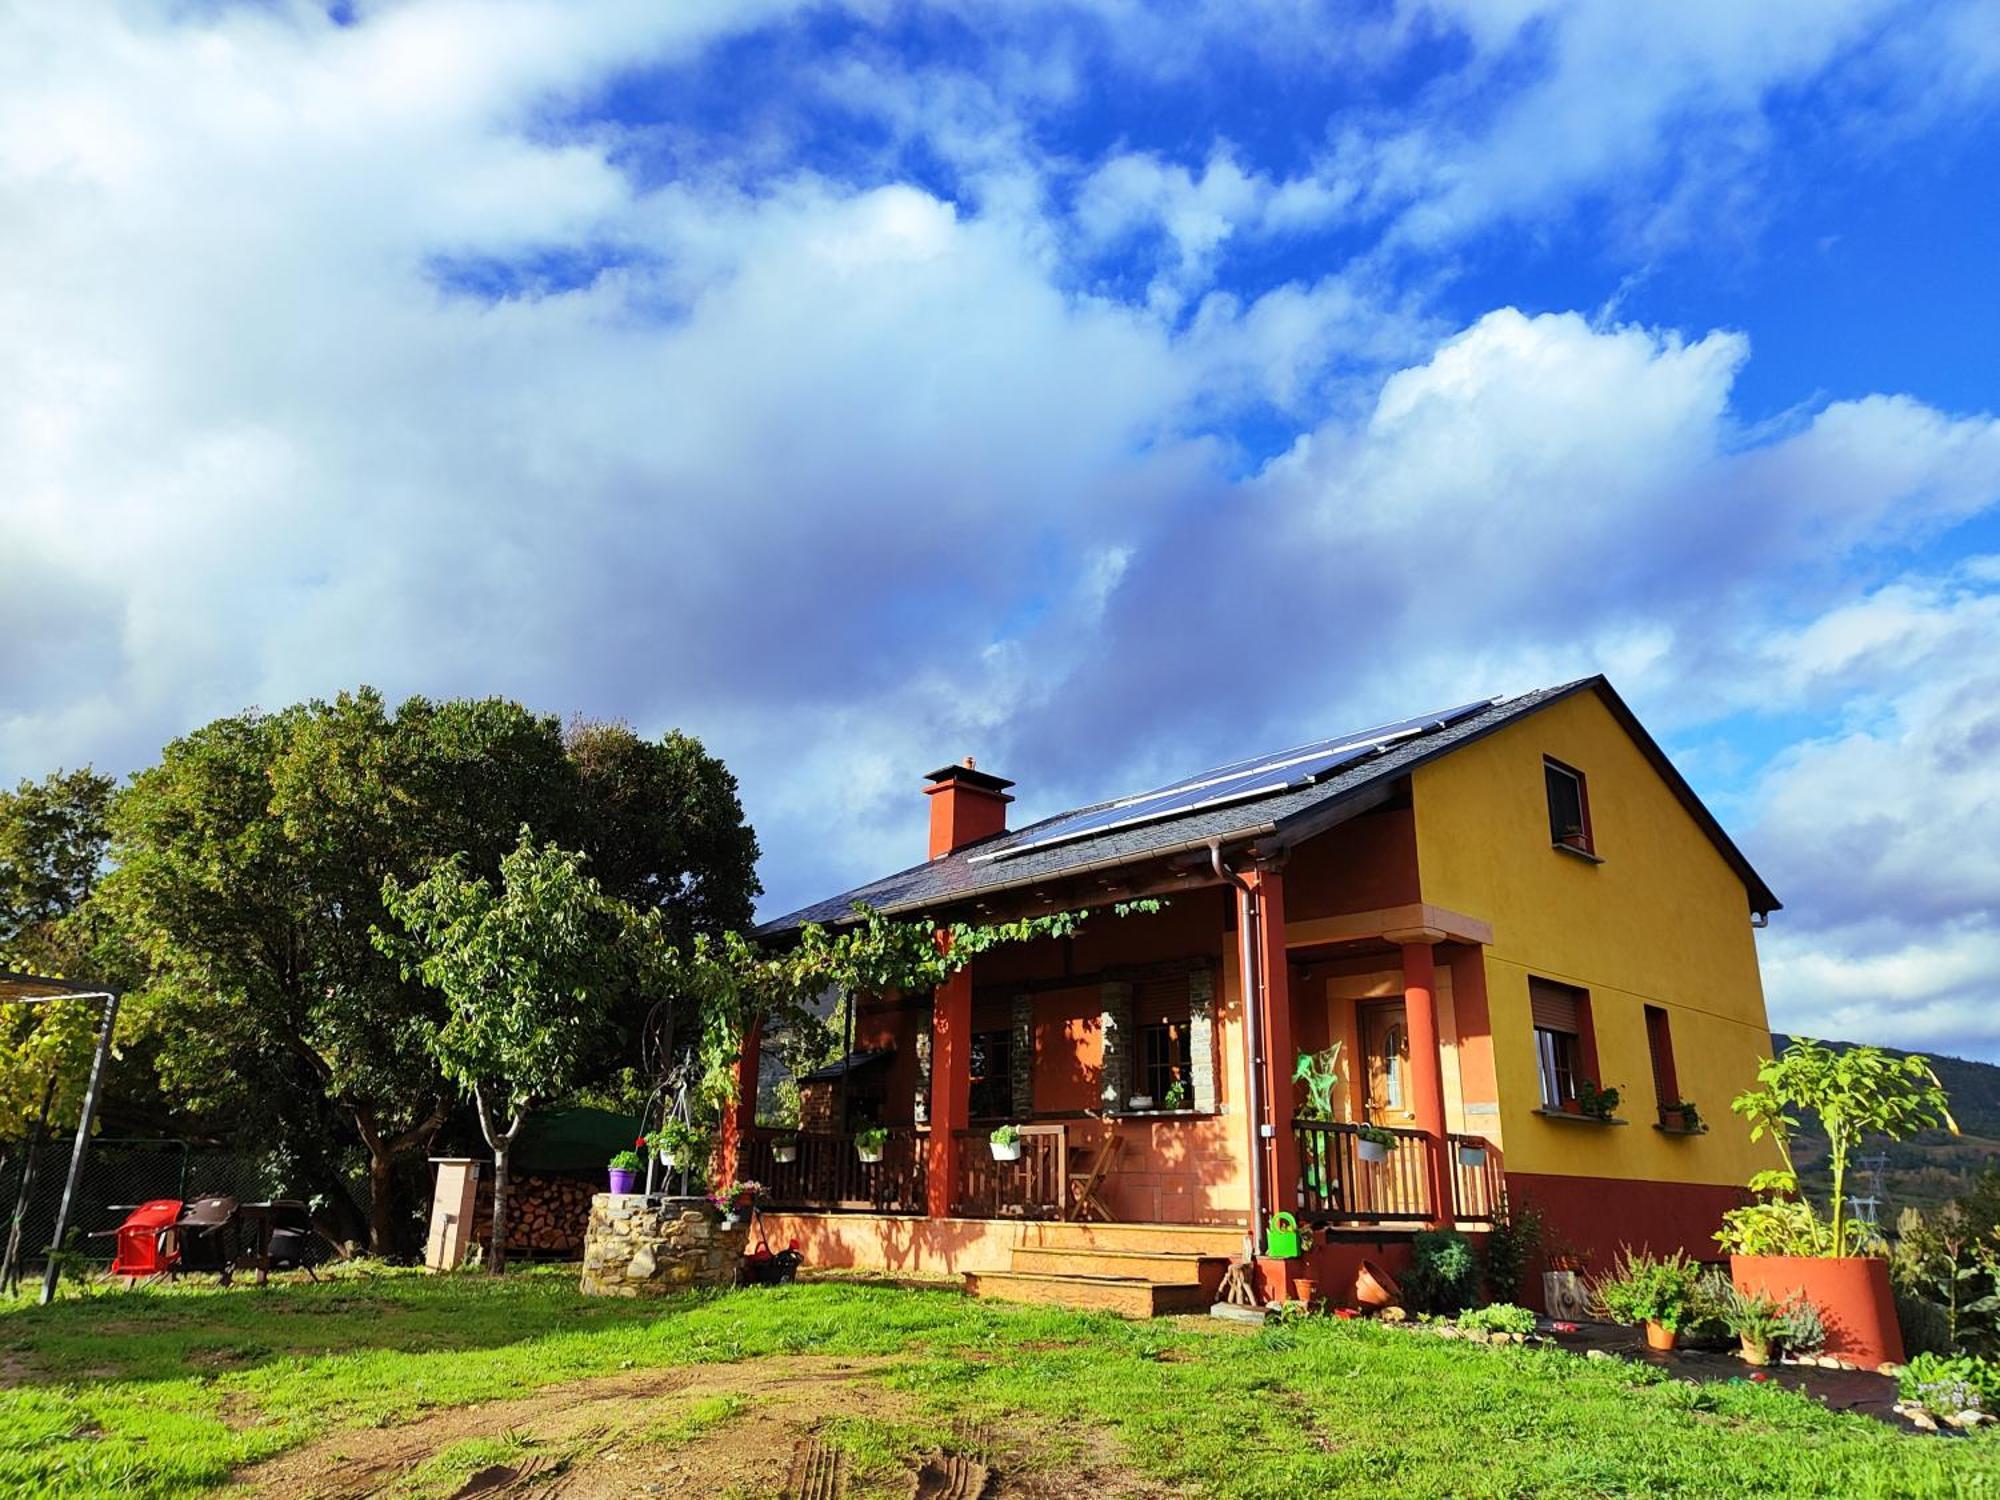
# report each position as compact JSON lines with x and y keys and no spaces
{"x":1662,"y":920}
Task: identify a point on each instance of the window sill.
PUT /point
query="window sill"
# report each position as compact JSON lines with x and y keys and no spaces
{"x":1567,"y":1118}
{"x":1589,"y":857}
{"x":1159,"y":1114}
{"x":1681,"y":1130}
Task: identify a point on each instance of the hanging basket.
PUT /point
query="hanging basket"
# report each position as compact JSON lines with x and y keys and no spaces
{"x":1373,"y":1151}
{"x":1472,"y":1156}
{"x":784,"y":1152}
{"x":1005,"y":1150}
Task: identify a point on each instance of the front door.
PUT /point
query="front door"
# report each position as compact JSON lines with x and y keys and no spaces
{"x":1385,"y":1043}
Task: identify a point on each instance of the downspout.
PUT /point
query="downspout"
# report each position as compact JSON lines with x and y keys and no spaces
{"x":1251,"y":939}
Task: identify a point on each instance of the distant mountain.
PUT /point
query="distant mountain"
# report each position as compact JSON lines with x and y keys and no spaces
{"x":1928,"y":1169}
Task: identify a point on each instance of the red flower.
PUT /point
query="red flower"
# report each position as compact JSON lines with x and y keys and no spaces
{"x":640,"y":1144}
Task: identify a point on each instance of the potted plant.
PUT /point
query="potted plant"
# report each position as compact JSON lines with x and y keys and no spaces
{"x":1681,"y":1118}
{"x":1005,"y":1143}
{"x":1758,"y":1323}
{"x":785,"y":1148}
{"x":1594,"y":1103}
{"x":1141,"y":1101}
{"x":1780,"y":1246}
{"x":1659,"y":1292}
{"x":1373,"y":1143}
{"x":1176,"y":1096}
{"x":869,"y":1143}
{"x":680,"y":1145}
{"x":624,"y":1169}
{"x":736,"y":1200}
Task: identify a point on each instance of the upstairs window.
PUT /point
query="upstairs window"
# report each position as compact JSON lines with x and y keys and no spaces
{"x":992,"y":1096}
{"x":1569,"y":807}
{"x":1561,"y":1015}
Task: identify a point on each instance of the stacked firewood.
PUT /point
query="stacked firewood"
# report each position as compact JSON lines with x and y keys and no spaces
{"x":545,"y":1215}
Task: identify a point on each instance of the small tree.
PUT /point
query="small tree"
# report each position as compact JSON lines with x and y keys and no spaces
{"x":1856,"y":1093}
{"x":524,"y":971}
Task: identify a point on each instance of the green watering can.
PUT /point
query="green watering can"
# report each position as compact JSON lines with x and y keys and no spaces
{"x":1281,"y":1240}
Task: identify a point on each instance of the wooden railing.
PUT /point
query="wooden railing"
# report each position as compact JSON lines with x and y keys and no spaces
{"x":1335,"y":1183}
{"x":1030,"y":1188}
{"x":828,"y":1174}
{"x":1478,"y":1189}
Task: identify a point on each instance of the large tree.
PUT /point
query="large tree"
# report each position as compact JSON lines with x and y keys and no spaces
{"x":249,"y":870}
{"x":54,"y":834}
{"x":526,"y":966}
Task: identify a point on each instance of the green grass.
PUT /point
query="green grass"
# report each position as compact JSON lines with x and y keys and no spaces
{"x":158,"y":1394}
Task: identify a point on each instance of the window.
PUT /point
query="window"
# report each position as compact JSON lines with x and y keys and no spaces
{"x":1569,"y":807}
{"x":1167,"y":1058}
{"x":1660,"y":1041}
{"x":992,"y":1096}
{"x":1560,"y":1014}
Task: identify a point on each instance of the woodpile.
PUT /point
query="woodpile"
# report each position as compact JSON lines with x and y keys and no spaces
{"x":545,"y":1215}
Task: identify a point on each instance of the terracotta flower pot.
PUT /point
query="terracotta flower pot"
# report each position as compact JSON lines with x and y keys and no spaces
{"x":1659,"y":1337}
{"x":1375,"y":1287}
{"x":1851,"y":1292}
{"x":1305,"y":1289}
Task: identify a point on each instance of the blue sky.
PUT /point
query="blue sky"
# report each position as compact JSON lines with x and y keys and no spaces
{"x":861,"y":386}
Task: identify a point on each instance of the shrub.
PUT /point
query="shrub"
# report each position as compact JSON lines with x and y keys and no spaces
{"x":1499,"y":1317}
{"x":1643,"y":1288}
{"x":1950,"y":1383}
{"x":1444,"y":1273}
{"x":1802,"y":1330}
{"x":1947,"y":1259}
{"x":1516,"y":1235}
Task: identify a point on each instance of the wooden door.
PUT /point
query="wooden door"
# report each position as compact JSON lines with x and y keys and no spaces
{"x":1385,"y":1044}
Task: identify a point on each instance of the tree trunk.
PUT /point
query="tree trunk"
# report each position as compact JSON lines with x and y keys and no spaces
{"x":502,"y":1143}
{"x":384,"y":1238}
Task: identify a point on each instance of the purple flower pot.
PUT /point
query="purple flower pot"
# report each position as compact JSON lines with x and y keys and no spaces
{"x":623,"y":1179}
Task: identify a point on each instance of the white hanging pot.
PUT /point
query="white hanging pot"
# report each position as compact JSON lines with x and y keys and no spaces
{"x":1472,"y":1156}
{"x":1373,"y":1151}
{"x":1005,"y":1150}
{"x":868,"y":1153}
{"x":785,"y":1152}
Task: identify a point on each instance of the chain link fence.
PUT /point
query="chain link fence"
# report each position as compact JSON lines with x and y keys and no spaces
{"x":119,"y":1174}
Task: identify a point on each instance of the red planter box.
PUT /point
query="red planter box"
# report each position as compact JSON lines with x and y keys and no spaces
{"x":1851,"y":1292}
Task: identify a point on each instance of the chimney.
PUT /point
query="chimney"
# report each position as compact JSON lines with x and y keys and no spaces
{"x":967,"y":805}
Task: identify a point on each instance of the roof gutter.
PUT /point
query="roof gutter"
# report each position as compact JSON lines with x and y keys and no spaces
{"x":1250,"y":946}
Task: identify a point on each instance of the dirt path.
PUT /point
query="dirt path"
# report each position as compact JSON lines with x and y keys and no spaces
{"x":735,"y":1430}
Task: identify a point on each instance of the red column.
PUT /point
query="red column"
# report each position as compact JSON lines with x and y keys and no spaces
{"x":951,"y":1090}
{"x":1427,"y":1068}
{"x":741,"y":1116}
{"x":1277,"y":1150}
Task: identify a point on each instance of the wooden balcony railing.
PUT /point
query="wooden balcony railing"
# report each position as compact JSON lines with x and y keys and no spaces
{"x":1335,"y":1183}
{"x":1031,"y":1188}
{"x":1478,"y":1189}
{"x":829,"y":1175}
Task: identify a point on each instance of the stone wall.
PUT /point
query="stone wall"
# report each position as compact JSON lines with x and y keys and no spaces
{"x":648,"y":1247}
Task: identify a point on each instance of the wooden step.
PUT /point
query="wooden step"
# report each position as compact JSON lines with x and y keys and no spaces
{"x":1127,"y":1296}
{"x":1183,"y":1239}
{"x":1167,"y":1267}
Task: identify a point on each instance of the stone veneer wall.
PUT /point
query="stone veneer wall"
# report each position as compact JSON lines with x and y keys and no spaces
{"x":648,"y":1247}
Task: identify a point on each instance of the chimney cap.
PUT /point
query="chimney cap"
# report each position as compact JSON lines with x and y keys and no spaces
{"x":968,"y":775}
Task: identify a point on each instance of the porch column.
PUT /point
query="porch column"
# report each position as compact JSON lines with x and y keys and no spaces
{"x":741,"y":1116}
{"x":1426,"y":1063}
{"x":1272,"y":1136}
{"x":951,"y":1090}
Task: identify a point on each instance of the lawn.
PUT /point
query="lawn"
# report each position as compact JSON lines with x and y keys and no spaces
{"x":153,"y":1393}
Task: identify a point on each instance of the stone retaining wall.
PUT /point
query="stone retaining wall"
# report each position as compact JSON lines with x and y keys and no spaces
{"x":648,"y":1247}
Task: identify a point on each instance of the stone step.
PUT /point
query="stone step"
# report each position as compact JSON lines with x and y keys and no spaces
{"x":1125,"y":1295}
{"x":1167,"y":1267}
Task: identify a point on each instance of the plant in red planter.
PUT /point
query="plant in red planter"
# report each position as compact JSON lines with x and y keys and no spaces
{"x":1779,"y":1246}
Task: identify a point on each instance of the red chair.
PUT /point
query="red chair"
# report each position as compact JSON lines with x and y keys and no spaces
{"x":148,"y":1246}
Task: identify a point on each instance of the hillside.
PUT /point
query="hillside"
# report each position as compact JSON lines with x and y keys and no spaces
{"x":1931,"y":1168}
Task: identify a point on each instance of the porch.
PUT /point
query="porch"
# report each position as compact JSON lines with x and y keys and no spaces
{"x":1069,"y":1171}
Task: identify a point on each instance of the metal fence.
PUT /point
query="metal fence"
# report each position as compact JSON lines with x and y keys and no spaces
{"x":117,"y":1174}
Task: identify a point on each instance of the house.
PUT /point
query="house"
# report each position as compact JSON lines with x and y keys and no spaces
{"x":1492,"y":912}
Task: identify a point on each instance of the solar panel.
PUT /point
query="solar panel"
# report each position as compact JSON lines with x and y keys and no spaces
{"x":1239,"y":781}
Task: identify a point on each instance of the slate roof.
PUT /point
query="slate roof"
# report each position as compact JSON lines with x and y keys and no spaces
{"x":1276,"y":821}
